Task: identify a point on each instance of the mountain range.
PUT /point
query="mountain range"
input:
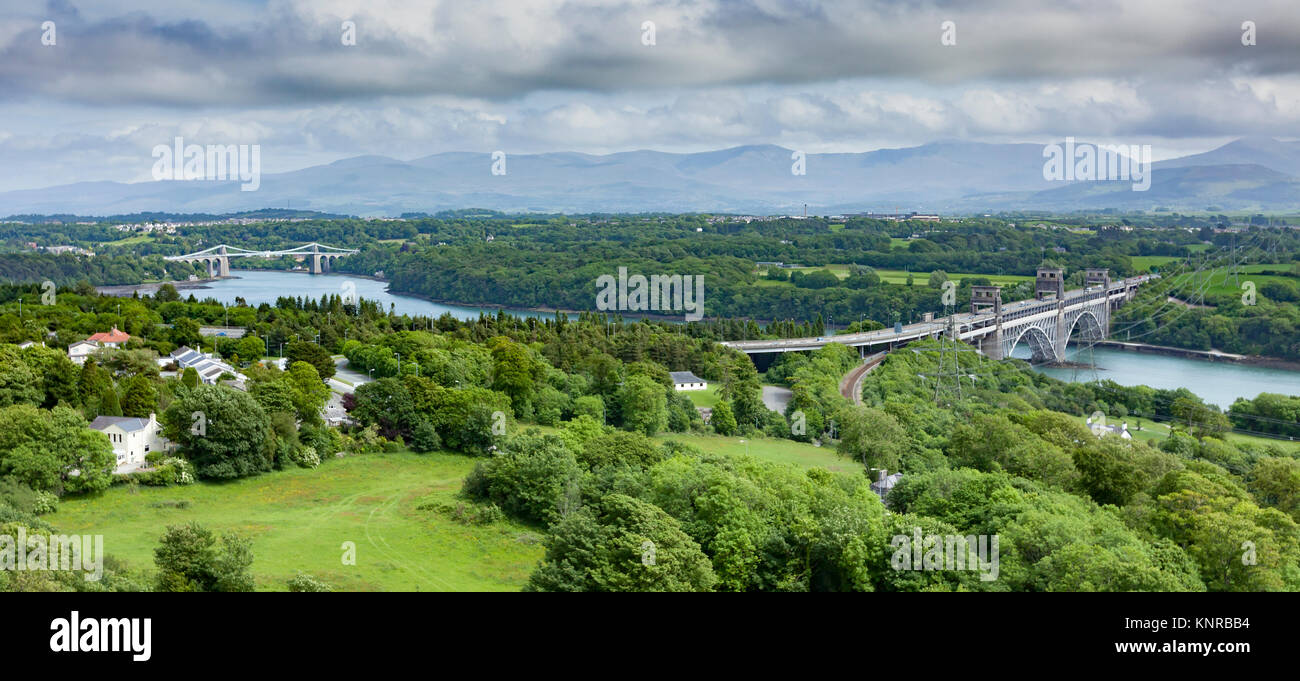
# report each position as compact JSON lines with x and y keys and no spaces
{"x":1254,"y":174}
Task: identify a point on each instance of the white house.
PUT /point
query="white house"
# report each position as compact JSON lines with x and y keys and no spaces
{"x":209,"y":367}
{"x":886,"y":483}
{"x":132,"y":438}
{"x":685,"y":380}
{"x":79,"y":351}
{"x":1100,"y":429}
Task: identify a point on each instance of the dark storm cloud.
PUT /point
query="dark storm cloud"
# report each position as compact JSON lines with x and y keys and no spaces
{"x":506,"y":48}
{"x":546,"y":75}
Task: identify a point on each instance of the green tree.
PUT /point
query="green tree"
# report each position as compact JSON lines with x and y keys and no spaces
{"x":18,"y":383}
{"x":92,"y":383}
{"x":621,"y":544}
{"x":109,"y":405}
{"x":191,"y":558}
{"x":139,"y":398}
{"x":644,"y":405}
{"x":224,"y":432}
{"x":167,"y":294}
{"x":185,"y":332}
{"x":514,"y":371}
{"x":1275,"y":481}
{"x":620,"y":447}
{"x":722,"y":420}
{"x":250,"y":348}
{"x":313,"y":354}
{"x":58,"y":375}
{"x":309,"y":392}
{"x":590,"y":405}
{"x":54,"y":450}
{"x":873,"y":437}
{"x":530,"y":478}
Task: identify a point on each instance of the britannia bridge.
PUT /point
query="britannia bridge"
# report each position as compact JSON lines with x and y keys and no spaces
{"x":218,"y":258}
{"x":1045,"y":322}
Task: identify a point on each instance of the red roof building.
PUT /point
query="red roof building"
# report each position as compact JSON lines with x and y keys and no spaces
{"x":113,"y":336}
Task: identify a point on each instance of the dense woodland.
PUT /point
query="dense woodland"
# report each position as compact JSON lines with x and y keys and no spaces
{"x":554,"y":262}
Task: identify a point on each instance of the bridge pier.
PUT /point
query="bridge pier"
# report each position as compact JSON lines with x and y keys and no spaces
{"x":1062,"y":335}
{"x":990,"y":345}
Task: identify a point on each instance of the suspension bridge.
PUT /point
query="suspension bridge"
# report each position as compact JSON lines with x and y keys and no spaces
{"x":217,"y":258}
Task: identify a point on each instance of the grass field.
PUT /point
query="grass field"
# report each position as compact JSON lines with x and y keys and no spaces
{"x":900,"y":276}
{"x":299,"y":519}
{"x":1155,"y":431}
{"x":1144,"y":263}
{"x":923,"y":278}
{"x":1221,"y":281}
{"x":769,"y":449}
{"x":131,"y":240}
{"x":704,"y":398}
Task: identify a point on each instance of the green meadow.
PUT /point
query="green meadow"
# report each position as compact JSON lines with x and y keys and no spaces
{"x":392,"y":507}
{"x":299,"y":519}
{"x":776,"y":450}
{"x":900,"y":276}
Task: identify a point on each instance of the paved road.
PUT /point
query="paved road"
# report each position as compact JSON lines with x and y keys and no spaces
{"x":776,"y":398}
{"x":343,"y":376}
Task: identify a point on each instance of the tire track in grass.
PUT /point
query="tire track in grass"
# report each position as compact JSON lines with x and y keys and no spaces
{"x":391,"y":554}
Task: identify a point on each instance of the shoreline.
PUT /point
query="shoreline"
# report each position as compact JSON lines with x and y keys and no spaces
{"x":1204,"y":355}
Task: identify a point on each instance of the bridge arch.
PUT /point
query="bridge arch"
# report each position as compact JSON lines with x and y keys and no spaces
{"x":1039,"y":343}
{"x":1092,"y":328}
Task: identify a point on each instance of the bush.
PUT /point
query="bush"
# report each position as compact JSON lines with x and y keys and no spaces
{"x":46,"y":502}
{"x":169,"y":471}
{"x":424,"y":437}
{"x":326,"y":441}
{"x":305,"y":583}
{"x":620,"y":447}
{"x":533,"y":477}
{"x":305,"y":457}
{"x":468,"y":514}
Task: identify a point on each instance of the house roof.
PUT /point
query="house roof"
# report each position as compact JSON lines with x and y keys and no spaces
{"x":685,"y":377}
{"x":887,"y":483}
{"x":187,"y":358}
{"x":113,"y":336}
{"x":82,"y":342}
{"x":126,"y":423}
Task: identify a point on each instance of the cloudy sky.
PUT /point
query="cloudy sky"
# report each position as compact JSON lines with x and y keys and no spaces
{"x":427,"y":76}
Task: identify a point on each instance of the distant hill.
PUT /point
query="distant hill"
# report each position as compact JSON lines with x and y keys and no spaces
{"x":947,"y":176}
{"x":154,"y":216}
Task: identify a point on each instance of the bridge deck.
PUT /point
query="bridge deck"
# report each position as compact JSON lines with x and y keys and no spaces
{"x":969,"y":325}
